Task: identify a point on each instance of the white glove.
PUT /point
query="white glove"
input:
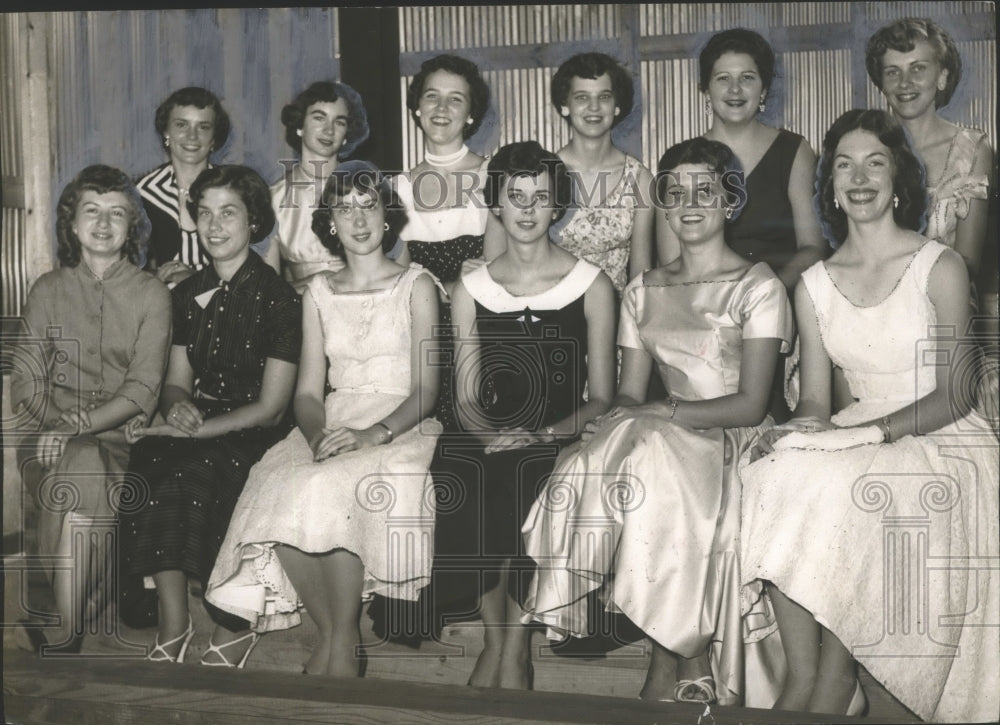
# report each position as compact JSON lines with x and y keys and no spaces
{"x":836,"y":439}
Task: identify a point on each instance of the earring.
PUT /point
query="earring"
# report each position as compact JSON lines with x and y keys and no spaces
{"x":708,"y":107}
{"x":729,"y":212}
{"x":298,"y":132}
{"x":166,"y":141}
{"x":564,"y":112}
{"x":333,"y":230}
{"x":836,"y":204}
{"x":386,"y":226}
{"x":417,"y":113}
{"x":895,"y":201}
{"x":253,"y":227}
{"x":468,"y":121}
{"x":762,"y":105}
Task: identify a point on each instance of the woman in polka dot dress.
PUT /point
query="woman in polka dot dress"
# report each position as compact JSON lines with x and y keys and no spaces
{"x":232,"y":368}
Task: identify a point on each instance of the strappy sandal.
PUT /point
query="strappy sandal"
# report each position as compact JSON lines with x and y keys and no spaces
{"x":160,"y":654}
{"x":217,"y":649}
{"x":703,"y":686}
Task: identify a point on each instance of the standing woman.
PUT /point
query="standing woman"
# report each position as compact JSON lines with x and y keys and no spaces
{"x":654,"y":484}
{"x":324,"y":124}
{"x":233,"y":359}
{"x":778,"y":224}
{"x":821,"y":508}
{"x":191,"y":124}
{"x":611,"y":221}
{"x":915,"y":63}
{"x":115,"y":323}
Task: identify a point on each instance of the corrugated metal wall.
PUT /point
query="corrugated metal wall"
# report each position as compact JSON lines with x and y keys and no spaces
{"x":820,"y":48}
{"x":12,"y":241}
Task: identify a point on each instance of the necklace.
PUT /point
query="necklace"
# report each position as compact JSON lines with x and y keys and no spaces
{"x":443,"y":160}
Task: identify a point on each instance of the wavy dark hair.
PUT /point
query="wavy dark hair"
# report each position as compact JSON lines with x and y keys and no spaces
{"x":365,"y":178}
{"x":593,"y":66}
{"x":718,"y":157}
{"x":101,"y":179}
{"x":902,"y":36}
{"x":293,"y":115}
{"x":736,"y":40}
{"x":199,"y":98}
{"x":908,"y":182}
{"x":528,"y":158}
{"x":479,"y":91}
{"x":248,"y":185}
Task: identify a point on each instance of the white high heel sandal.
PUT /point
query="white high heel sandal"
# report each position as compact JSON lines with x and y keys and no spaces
{"x":160,"y":654}
{"x":217,"y":649}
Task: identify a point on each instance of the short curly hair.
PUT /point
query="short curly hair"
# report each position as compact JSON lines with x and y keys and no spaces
{"x":199,"y":98}
{"x":718,"y":157}
{"x":593,"y":66}
{"x":248,"y":185}
{"x":101,"y":179}
{"x":528,"y":158}
{"x":479,"y":91}
{"x":293,"y":115}
{"x":736,"y":40}
{"x":902,"y":36}
{"x":365,"y":178}
{"x":908,"y":183}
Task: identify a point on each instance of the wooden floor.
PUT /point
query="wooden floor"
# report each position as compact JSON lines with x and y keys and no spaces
{"x":110,"y":683}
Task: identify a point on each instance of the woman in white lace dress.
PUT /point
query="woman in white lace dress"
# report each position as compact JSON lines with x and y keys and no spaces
{"x":867,"y":525}
{"x":343,"y":508}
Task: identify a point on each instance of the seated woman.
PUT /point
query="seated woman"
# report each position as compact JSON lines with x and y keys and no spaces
{"x":71,"y":409}
{"x":916,"y":65}
{"x":826,"y":511}
{"x":647,"y":506}
{"x":533,"y":327}
{"x":330,"y":514}
{"x":235,"y":351}
{"x":611,"y":222}
{"x":324,"y":124}
{"x":192,"y":124}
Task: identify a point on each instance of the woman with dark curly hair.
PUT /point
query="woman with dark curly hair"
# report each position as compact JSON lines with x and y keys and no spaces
{"x":191,"y":124}
{"x":916,"y":65}
{"x":230,"y":376}
{"x":611,"y":221}
{"x":778,"y":225}
{"x":813,"y":502}
{"x":324,"y":124}
{"x":654,"y":480}
{"x":317,"y":519}
{"x":100,"y":329}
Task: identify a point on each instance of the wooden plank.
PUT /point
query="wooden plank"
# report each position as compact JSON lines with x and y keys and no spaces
{"x":36,"y":143}
{"x":124,"y":691}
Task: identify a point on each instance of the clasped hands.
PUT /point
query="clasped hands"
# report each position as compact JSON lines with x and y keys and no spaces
{"x":329,"y":442}
{"x":52,"y":443}
{"x":514,"y":438}
{"x":183,"y":421}
{"x":814,"y":434}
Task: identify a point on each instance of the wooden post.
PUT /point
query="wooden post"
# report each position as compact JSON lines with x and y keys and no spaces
{"x":36,"y":143}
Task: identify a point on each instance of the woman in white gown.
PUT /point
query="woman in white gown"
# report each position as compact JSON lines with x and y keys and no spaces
{"x":648,"y":507}
{"x":874,"y":527}
{"x":343,"y":508}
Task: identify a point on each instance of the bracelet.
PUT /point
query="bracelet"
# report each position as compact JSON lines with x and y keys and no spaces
{"x":387,"y":430}
{"x":673,"y":408}
{"x":886,"y":431}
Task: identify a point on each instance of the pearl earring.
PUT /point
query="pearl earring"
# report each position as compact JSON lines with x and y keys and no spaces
{"x":729,"y":212}
{"x":166,"y":141}
{"x":417,"y":113}
{"x":386,"y":226}
{"x":298,"y":132}
{"x":333,"y":229}
{"x":836,"y":204}
{"x":762,"y":105}
{"x":468,"y":121}
{"x":895,"y":201}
